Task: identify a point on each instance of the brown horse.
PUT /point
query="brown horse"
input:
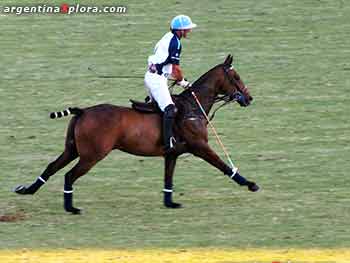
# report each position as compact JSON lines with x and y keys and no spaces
{"x":95,"y":131}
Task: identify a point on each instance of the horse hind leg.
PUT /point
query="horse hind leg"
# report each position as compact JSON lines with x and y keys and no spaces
{"x":64,"y":159}
{"x":81,"y":168}
{"x":70,"y":153}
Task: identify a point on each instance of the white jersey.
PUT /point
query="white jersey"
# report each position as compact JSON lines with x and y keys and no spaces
{"x":166,"y":52}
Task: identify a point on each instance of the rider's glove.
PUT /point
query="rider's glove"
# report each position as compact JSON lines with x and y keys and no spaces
{"x":184,"y":83}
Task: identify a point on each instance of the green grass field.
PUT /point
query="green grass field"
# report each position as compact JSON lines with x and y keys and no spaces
{"x":293,"y":140}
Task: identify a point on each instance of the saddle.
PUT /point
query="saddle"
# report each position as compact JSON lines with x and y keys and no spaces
{"x":145,"y":107}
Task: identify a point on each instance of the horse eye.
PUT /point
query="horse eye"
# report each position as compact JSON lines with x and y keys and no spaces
{"x":237,"y":77}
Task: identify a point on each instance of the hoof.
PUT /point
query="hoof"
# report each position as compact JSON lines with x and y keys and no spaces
{"x":21,"y":189}
{"x":73,"y":210}
{"x":253,"y":187}
{"x":173,"y":205}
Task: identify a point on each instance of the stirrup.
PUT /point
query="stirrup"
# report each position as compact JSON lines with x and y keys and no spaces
{"x":172,"y":142}
{"x":170,"y":149}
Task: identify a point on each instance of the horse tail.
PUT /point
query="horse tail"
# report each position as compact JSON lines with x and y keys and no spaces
{"x":60,"y":114}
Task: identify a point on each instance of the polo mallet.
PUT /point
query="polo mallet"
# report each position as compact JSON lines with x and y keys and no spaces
{"x":103,"y":76}
{"x":234,"y":168}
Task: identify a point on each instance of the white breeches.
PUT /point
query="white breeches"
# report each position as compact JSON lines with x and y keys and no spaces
{"x":157,"y":87}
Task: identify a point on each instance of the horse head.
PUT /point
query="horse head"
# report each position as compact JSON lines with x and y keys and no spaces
{"x":221,"y":83}
{"x":232,"y":84}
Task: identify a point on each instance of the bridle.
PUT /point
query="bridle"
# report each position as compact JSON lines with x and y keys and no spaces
{"x":231,"y":97}
{"x":227,"y":98}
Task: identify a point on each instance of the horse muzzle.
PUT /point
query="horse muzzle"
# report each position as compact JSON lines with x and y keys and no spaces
{"x":242,"y":100}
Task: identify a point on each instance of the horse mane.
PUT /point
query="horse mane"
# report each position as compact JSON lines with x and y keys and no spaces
{"x":198,"y":84}
{"x":205,"y":76}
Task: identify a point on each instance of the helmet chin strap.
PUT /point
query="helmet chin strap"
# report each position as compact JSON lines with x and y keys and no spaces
{"x":179,"y":33}
{"x":182,"y":33}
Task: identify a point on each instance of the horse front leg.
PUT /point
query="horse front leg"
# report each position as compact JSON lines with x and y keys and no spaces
{"x":204,"y":151}
{"x":170,"y":162}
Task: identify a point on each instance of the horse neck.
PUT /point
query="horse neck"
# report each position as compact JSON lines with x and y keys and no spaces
{"x":206,"y":89}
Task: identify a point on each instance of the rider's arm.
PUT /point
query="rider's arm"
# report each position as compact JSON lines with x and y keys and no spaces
{"x":177,"y":72}
{"x":179,"y":77}
{"x":174,"y":55}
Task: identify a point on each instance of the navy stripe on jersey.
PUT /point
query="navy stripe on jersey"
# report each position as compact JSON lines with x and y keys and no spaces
{"x":174,"y":52}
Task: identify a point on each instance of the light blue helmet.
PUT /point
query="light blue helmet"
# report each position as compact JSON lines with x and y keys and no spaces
{"x":181,"y":22}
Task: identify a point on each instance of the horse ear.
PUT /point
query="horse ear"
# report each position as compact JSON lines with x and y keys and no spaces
{"x":227,"y":60}
{"x":231,"y":59}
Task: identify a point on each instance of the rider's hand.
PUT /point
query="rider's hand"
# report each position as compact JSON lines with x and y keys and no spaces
{"x":184,"y":83}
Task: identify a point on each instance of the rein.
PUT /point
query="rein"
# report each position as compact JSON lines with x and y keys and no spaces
{"x":227,"y":99}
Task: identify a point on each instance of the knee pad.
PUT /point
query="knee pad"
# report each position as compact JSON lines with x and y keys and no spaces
{"x":170,"y":111}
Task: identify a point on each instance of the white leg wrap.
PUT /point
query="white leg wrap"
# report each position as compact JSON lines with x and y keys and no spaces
{"x":68,"y":192}
{"x":234,"y":171}
{"x":167,"y":190}
{"x":41,"y":179}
